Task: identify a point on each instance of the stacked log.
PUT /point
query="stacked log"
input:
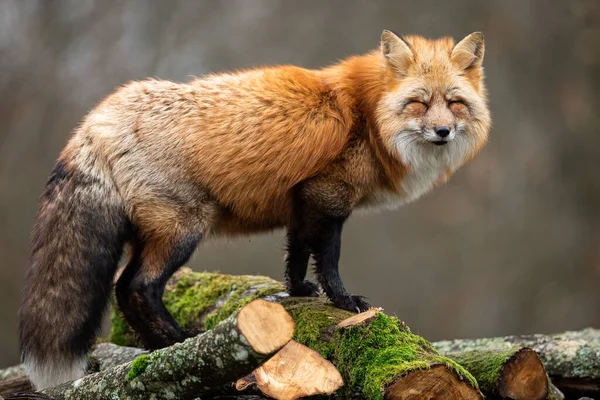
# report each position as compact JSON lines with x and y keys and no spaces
{"x":259,"y":343}
{"x":571,"y":359}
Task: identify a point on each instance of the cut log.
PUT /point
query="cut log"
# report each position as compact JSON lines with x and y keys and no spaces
{"x":195,"y":367}
{"x":433,"y":383}
{"x":398,"y":364}
{"x":571,"y":359}
{"x":516,"y":373}
{"x":294,"y":372}
{"x":375,"y":354}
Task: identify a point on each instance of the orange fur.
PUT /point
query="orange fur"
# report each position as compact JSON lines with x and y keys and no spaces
{"x":248,"y":138}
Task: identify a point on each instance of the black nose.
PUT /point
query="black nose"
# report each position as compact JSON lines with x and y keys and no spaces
{"x":442,"y":131}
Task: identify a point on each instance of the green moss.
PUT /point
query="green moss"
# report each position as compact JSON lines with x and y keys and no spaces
{"x":485,"y":365}
{"x":461,"y":371}
{"x":313,"y":318}
{"x":120,"y":332}
{"x":138,"y":366}
{"x":368,"y":356}
{"x":193,"y":294}
{"x":197,"y":292}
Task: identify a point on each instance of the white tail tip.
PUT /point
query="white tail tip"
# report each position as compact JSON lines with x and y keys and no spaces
{"x":54,"y":372}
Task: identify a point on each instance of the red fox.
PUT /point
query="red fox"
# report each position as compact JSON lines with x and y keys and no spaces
{"x":160,"y":166}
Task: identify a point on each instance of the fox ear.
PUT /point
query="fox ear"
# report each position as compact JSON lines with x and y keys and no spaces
{"x":397,"y":52}
{"x":468,"y":53}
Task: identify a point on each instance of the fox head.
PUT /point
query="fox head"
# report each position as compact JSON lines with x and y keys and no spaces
{"x":434,"y":99}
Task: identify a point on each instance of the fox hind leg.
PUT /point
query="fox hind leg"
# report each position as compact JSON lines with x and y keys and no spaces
{"x":168,"y":240}
{"x":140,"y":288}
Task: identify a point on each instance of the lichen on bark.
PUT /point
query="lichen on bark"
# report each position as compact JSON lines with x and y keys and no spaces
{"x":185,"y":370}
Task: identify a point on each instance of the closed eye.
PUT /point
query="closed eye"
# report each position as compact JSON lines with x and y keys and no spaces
{"x":457,"y":101}
{"x":416,"y":101}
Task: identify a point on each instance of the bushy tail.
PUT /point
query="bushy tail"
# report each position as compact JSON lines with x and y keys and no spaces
{"x":76,"y":245}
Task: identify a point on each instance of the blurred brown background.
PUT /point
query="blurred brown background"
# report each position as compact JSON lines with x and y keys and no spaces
{"x":510,"y":245}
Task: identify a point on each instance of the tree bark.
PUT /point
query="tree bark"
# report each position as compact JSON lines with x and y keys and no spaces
{"x":571,"y":359}
{"x":195,"y":367}
{"x":377,"y":356}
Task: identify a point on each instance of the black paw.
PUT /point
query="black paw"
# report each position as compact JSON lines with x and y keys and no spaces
{"x":304,"y":289}
{"x":352,"y":303}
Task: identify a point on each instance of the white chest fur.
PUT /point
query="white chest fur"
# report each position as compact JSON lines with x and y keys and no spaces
{"x":426,"y":165}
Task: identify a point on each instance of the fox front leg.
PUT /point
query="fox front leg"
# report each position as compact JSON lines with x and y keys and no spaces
{"x":324,"y":207}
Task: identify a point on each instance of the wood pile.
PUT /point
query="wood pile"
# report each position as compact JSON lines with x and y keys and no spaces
{"x":259,"y":343}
